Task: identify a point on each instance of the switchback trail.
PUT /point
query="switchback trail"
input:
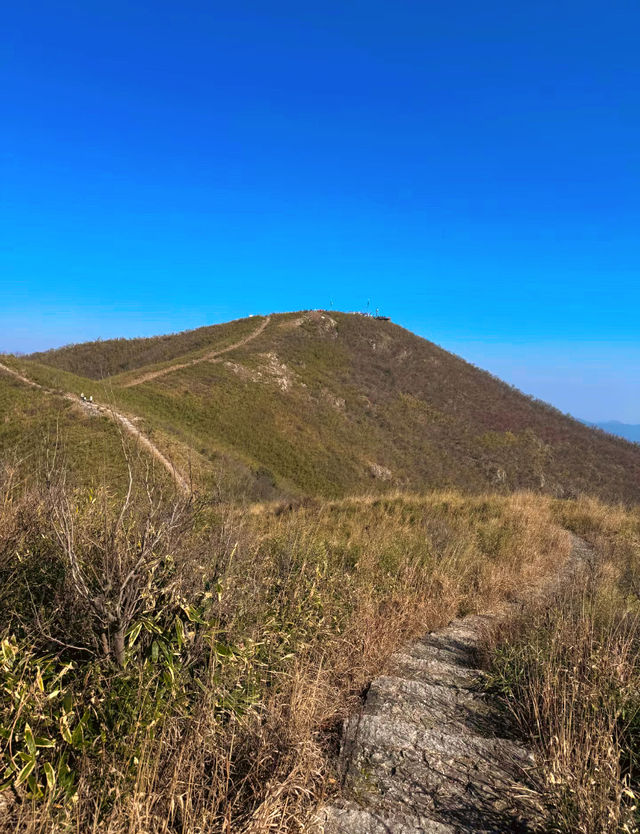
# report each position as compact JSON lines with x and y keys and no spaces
{"x":206,"y":358}
{"x":427,"y":754}
{"x":116,"y":416}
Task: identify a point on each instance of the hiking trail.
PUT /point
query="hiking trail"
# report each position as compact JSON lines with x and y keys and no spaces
{"x":427,"y":754}
{"x":96,"y":409}
{"x":126,"y":423}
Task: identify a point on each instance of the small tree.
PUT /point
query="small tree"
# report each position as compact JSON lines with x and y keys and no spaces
{"x":120,"y":559}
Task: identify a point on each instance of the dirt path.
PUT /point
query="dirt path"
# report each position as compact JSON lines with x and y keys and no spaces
{"x":206,"y":358}
{"x":427,"y":753}
{"x":116,"y":416}
{"x":19,"y":376}
{"x":144,"y":441}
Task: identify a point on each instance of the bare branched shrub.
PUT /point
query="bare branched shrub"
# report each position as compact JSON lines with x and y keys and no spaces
{"x":121,"y":560}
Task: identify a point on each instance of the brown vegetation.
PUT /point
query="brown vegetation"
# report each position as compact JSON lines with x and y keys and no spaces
{"x":570,"y":674}
{"x":251,"y":637}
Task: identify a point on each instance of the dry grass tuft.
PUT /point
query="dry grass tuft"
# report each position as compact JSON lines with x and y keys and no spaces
{"x":569,"y":673}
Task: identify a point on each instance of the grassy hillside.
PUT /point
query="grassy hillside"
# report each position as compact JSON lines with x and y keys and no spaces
{"x":100,"y":359}
{"x":333,"y":404}
{"x":43,"y":434}
{"x":37,"y":425}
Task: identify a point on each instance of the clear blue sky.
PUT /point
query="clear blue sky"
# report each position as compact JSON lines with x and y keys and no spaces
{"x":473,"y":168}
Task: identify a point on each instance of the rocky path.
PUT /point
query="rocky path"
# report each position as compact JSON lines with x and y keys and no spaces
{"x":206,"y":358}
{"x":428,"y":753}
{"x":127,"y":424}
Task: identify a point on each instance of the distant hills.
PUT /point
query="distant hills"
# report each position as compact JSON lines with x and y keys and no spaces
{"x":316,"y":403}
{"x":627,"y":430}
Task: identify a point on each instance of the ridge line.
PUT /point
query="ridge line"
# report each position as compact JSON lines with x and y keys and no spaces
{"x":207,"y":357}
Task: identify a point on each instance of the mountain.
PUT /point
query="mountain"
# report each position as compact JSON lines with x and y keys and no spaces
{"x":627,"y":430}
{"x":331,"y":404}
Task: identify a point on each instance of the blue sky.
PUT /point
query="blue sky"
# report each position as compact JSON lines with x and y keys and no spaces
{"x":473,"y":169}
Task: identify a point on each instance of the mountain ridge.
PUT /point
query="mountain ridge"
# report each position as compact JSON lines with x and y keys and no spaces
{"x":629,"y":431}
{"x":332,"y":404}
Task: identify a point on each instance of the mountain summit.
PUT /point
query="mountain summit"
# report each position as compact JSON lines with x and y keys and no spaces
{"x":328,"y":403}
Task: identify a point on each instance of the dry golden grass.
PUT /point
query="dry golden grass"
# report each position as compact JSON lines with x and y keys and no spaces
{"x":309,"y":603}
{"x":570,"y":674}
